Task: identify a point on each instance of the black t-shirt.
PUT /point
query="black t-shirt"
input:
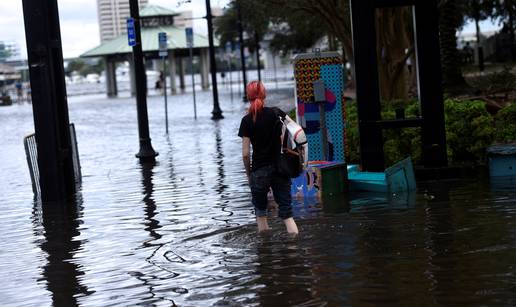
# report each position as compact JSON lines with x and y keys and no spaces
{"x":264,"y":135}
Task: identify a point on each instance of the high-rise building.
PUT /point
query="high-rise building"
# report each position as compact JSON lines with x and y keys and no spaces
{"x":113,"y":16}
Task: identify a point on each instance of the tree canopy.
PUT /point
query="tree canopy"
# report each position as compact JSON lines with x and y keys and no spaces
{"x":298,"y":25}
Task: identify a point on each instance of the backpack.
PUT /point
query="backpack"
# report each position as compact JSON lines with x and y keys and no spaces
{"x":293,"y":153}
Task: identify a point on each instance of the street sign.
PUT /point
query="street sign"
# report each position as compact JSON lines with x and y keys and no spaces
{"x":163,"y":45}
{"x":189,"y":37}
{"x":131,"y":33}
{"x":189,"y":44}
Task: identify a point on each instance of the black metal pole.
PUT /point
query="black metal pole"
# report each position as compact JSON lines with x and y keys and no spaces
{"x":367,"y":85}
{"x":164,"y":59}
{"x":230,"y":67}
{"x":146,"y":152}
{"x":193,"y":82}
{"x":433,"y":132}
{"x":217,"y":112}
{"x":242,"y":53}
{"x":50,"y":106}
{"x":480,"y":50}
{"x":258,"y":65}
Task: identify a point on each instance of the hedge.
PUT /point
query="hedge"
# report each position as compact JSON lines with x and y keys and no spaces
{"x":470,"y":129}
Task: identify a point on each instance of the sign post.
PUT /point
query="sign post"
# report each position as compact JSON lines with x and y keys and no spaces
{"x":189,"y":42}
{"x":229,"y":55}
{"x":146,"y":153}
{"x":320,"y":98}
{"x":237,"y":47}
{"x":162,"y":40}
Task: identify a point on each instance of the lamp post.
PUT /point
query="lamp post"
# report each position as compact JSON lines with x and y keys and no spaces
{"x":146,"y":152}
{"x":242,"y":55}
{"x":217,"y":112}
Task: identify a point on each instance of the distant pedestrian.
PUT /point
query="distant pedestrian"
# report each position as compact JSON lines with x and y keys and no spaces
{"x":257,"y":129}
{"x":28,"y":93}
{"x":19,"y":91}
{"x":160,"y":82}
{"x":468,"y":54}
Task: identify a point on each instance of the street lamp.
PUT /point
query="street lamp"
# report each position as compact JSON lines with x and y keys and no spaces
{"x":242,"y":54}
{"x":217,"y":112}
{"x":146,"y":152}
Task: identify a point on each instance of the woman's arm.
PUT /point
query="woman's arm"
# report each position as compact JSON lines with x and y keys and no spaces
{"x":246,"y":155}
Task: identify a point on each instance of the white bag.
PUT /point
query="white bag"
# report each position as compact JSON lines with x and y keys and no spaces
{"x":296,"y":137}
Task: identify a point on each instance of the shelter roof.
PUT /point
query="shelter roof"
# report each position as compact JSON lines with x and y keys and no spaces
{"x":155,"y":10}
{"x":176,"y":40}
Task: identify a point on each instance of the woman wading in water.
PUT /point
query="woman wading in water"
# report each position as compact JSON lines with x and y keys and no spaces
{"x":257,"y":129}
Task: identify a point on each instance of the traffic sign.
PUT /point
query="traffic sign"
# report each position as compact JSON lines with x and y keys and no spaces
{"x":189,"y":37}
{"x":131,"y":32}
{"x":163,"y":45}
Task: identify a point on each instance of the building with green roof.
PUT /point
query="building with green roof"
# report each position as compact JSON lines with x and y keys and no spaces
{"x":154,"y":19}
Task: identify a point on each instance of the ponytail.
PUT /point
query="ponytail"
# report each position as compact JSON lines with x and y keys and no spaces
{"x":256,"y":96}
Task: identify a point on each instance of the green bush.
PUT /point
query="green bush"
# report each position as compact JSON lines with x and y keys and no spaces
{"x":398,"y":143}
{"x":292,"y":114}
{"x":352,"y":137}
{"x":401,"y":143}
{"x":469,"y":130}
{"x":505,"y":121}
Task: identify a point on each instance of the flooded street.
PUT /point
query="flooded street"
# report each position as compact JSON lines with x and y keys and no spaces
{"x":182,"y":231}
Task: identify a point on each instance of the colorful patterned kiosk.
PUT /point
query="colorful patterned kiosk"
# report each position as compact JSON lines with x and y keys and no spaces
{"x":329,"y":175}
{"x":324,"y":176}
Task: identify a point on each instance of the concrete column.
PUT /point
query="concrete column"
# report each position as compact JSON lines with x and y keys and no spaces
{"x":132,"y":76}
{"x":181,"y":74}
{"x":157,"y":65}
{"x":172,"y":71}
{"x":205,"y":69}
{"x":111,"y":86}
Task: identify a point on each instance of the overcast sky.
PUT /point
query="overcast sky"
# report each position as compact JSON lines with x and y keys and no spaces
{"x":79,"y":27}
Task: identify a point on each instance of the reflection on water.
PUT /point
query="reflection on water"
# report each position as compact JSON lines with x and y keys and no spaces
{"x":151,"y":223}
{"x":181,"y":231}
{"x":60,"y":230}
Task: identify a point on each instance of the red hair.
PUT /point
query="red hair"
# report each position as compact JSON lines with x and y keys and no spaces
{"x":256,"y":96}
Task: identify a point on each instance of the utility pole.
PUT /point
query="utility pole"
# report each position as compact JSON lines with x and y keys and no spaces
{"x":146,"y":152}
{"x":49,"y":102}
{"x":242,"y":54}
{"x":258,"y":65}
{"x":217,"y":112}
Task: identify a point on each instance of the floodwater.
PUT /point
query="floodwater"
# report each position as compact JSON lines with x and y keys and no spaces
{"x":181,"y":232}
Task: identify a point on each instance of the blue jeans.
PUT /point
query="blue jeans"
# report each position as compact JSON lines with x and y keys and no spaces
{"x":264,"y":179}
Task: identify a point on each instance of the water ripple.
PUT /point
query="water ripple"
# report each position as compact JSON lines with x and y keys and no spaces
{"x":182,"y":232}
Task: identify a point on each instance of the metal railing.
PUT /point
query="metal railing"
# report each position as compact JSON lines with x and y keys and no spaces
{"x":31,"y":152}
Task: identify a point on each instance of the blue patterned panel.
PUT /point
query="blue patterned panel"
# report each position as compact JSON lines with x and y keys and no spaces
{"x":332,"y":77}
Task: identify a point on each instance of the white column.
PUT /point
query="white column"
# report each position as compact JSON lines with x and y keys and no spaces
{"x":172,"y":71}
{"x":205,"y":69}
{"x":157,"y":65}
{"x":111,"y":86}
{"x":181,"y":74}
{"x":132,"y":76}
